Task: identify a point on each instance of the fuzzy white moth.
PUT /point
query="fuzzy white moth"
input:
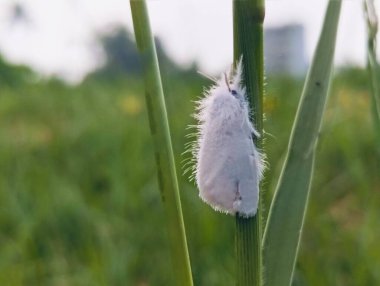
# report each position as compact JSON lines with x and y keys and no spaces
{"x":228,"y":166}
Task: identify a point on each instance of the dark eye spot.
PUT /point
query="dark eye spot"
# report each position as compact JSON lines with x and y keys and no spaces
{"x":233,"y":92}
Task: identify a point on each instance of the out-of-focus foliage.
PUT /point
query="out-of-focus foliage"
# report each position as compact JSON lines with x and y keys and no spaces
{"x":79,"y":200}
{"x":121,"y":56}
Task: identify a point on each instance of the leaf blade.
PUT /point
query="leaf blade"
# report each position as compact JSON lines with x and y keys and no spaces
{"x":162,"y":142}
{"x":287,"y":212}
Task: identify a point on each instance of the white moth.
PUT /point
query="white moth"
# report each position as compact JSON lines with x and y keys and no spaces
{"x":228,"y":166}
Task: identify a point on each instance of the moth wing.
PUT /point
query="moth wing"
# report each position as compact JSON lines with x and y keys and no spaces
{"x":216,"y":178}
{"x":248,"y":185}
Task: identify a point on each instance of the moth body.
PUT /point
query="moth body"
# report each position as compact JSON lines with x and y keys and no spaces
{"x":228,"y":166}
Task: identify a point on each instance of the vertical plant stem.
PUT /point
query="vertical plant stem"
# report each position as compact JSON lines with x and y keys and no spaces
{"x":163,"y":148}
{"x":374,"y":71}
{"x":248,"y":18}
{"x":372,"y":64}
{"x":287,"y":212}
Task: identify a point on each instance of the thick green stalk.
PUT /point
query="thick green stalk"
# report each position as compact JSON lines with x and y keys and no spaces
{"x":372,"y":64}
{"x":163,"y":148}
{"x":248,"y":42}
{"x":374,"y":73}
{"x":287,"y":212}
{"x":374,"y":70}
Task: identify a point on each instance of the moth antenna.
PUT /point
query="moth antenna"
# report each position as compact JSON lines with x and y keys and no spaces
{"x":208,"y":76}
{"x":232,"y":71}
{"x":226,"y":79}
{"x":238,"y":71}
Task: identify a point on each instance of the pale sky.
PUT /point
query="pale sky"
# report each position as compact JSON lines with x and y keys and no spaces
{"x":59,"y":36}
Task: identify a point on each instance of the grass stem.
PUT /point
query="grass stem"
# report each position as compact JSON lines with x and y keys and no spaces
{"x":163,"y":148}
{"x":372,"y":64}
{"x":287,"y":212}
{"x":248,"y":18}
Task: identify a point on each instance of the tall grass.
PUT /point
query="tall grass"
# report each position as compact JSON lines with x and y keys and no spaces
{"x":163,"y":147}
{"x":248,"y":18}
{"x":287,"y":212}
{"x":372,"y":64}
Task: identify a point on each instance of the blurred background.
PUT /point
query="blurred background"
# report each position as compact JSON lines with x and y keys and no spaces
{"x":79,"y":200}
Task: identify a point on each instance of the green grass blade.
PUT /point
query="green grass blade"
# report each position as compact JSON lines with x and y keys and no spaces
{"x":288,"y":208}
{"x":248,"y":41}
{"x":163,"y":148}
{"x":372,"y":64}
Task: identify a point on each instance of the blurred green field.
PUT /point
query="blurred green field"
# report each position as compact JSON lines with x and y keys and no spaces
{"x":79,"y":197}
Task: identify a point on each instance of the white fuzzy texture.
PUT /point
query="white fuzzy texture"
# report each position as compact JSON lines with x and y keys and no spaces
{"x":228,"y":166}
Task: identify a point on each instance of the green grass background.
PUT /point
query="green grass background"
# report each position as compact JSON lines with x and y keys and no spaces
{"x":79,"y":200}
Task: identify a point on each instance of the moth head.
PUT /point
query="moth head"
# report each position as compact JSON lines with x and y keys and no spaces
{"x":232,"y":90}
